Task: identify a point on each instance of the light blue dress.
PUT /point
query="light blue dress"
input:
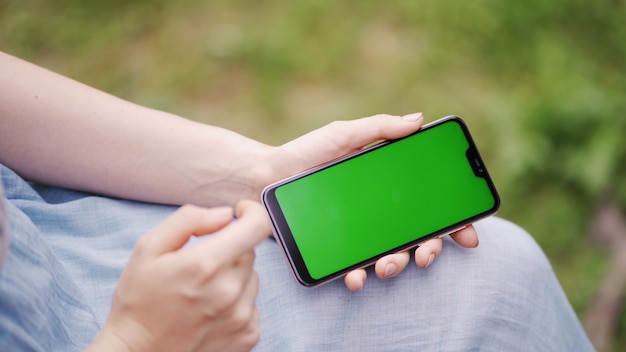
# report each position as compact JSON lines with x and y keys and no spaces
{"x":67,"y":250}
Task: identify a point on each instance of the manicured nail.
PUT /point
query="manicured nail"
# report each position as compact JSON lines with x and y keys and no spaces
{"x":431,"y":258}
{"x":415,"y":117}
{"x":390,"y":270}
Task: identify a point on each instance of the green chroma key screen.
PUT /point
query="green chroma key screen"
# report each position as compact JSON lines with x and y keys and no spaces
{"x":385,"y":198}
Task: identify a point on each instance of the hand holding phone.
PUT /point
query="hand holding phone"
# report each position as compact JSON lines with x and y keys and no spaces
{"x":389,"y":197}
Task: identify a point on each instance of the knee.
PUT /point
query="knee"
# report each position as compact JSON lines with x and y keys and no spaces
{"x":510,"y":251}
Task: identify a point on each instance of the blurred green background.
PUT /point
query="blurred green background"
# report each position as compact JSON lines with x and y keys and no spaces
{"x":542,"y":84}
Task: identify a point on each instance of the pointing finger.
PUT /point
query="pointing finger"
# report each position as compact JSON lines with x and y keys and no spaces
{"x":240,"y":236}
{"x":185,"y":222}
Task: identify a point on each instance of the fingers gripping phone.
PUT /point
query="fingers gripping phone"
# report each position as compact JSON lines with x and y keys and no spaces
{"x":389,"y":197}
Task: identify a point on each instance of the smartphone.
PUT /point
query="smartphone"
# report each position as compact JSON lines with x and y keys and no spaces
{"x":348,"y":213}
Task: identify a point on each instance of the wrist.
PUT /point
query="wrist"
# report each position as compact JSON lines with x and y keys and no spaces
{"x":239,"y":171}
{"x":259,"y":172}
{"x":129,"y":338}
{"x":107,"y":340}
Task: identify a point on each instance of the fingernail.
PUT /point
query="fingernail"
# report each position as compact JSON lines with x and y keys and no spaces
{"x":431,"y":258}
{"x":390,"y":270}
{"x":415,"y":117}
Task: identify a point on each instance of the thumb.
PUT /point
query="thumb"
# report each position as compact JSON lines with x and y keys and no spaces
{"x":342,"y":137}
{"x":187,"y":221}
{"x":251,"y":227}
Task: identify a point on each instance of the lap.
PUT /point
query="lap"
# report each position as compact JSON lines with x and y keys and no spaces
{"x":502,"y":295}
{"x":66,"y":252}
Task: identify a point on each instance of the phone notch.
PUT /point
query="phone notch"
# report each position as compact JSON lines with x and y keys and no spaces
{"x":476,"y":162}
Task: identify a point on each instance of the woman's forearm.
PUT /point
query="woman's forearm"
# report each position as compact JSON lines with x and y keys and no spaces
{"x":57,"y":131}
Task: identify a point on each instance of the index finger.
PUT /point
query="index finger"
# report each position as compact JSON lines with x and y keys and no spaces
{"x":251,"y":227}
{"x":466,"y":237}
{"x":187,"y":221}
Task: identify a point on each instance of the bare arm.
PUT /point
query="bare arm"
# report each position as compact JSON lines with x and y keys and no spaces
{"x":57,"y":131}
